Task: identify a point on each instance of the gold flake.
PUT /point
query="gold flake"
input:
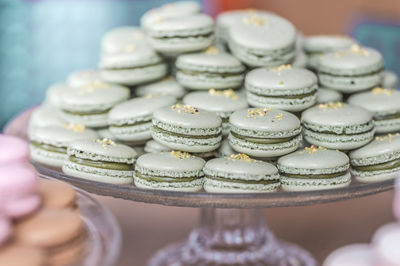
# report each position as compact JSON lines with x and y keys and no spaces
{"x":158,"y":19}
{"x":185,"y":108}
{"x":255,"y":20}
{"x":92,"y":86}
{"x":279,"y":116}
{"x":241,"y":157}
{"x":379,"y":91}
{"x":388,"y":137}
{"x":105,"y":142}
{"x":181,"y":155}
{"x":356,"y":49}
{"x":281,"y":82}
{"x":254,"y":113}
{"x":331,"y":105}
{"x":74,"y":127}
{"x":226,"y":93}
{"x":314,"y":148}
{"x":212,"y":50}
{"x":278,"y":69}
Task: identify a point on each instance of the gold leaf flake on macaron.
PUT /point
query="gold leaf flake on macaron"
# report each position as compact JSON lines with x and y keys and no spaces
{"x":258,"y":112}
{"x":185,"y":108}
{"x":388,"y":137}
{"x":105,"y":142}
{"x":380,"y":91}
{"x":314,"y":148}
{"x":240,"y":157}
{"x":255,"y":20}
{"x":279,"y":116}
{"x":358,"y":50}
{"x":211,"y":50}
{"x":226,"y":93}
{"x":330,"y":105}
{"x":74,"y":127}
{"x":92,"y":86}
{"x":181,"y":155}
{"x":278,"y":69}
{"x":130,"y":48}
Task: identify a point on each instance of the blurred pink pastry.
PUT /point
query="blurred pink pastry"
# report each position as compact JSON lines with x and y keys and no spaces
{"x":396,"y":203}
{"x":18,"y":184}
{"x":351,"y":255}
{"x":5,"y":229}
{"x":386,"y":245}
{"x":13,"y":150}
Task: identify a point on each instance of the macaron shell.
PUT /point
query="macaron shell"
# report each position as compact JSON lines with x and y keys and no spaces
{"x":385,"y":244}
{"x":54,"y":93}
{"x":49,"y":228}
{"x":301,"y":184}
{"x":140,"y":56}
{"x":187,"y":144}
{"x":21,"y":255}
{"x":154,"y":146}
{"x":83,"y":77}
{"x":22,"y":207}
{"x":216,"y":103}
{"x":375,"y":176}
{"x":328,"y":95}
{"x":167,"y":86}
{"x":13,"y":150}
{"x":192,"y":186}
{"x":290,"y":81}
{"x":214,"y":186}
{"x":118,"y":39}
{"x":327,"y":43}
{"x":389,"y":79}
{"x":354,"y":254}
{"x":378,"y":103}
{"x":56,"y":194}
{"x":46,"y":115}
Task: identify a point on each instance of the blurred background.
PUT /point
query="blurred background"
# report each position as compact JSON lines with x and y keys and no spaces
{"x":41,"y":41}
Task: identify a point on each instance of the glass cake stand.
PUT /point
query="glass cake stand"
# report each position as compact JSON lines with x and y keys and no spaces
{"x":231,"y":230}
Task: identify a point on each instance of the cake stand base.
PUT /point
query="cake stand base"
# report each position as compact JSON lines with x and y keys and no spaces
{"x":232,"y":237}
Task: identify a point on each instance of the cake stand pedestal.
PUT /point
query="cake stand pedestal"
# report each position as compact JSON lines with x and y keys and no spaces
{"x":231,"y":230}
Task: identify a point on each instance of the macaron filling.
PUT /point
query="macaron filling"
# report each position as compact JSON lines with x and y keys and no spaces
{"x":174,"y":134}
{"x":296,"y":96}
{"x":165,"y":178}
{"x":314,"y":176}
{"x":379,"y":167}
{"x":138,"y":123}
{"x":263,"y":140}
{"x":242,"y":181}
{"x":387,"y":117}
{"x":102,"y":164}
{"x":49,"y":147}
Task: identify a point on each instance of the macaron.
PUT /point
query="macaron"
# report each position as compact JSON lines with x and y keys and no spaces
{"x":209,"y":69}
{"x":19,"y":255}
{"x":166,"y":86}
{"x":130,"y":121}
{"x":60,"y":233}
{"x":174,"y":171}
{"x":350,"y":70}
{"x":170,"y":10}
{"x":54,"y":94}
{"x":105,"y":133}
{"x":154,"y":146}
{"x":337,"y":125}
{"x":100,"y":160}
{"x":385,"y":245}
{"x":389,"y":79}
{"x":325,"y":95}
{"x":13,"y":150}
{"x":316,"y":45}
{"x":264,"y":132}
{"x":221,"y":102}
{"x":351,"y":255}
{"x":284,"y":87}
{"x":186,"y":128}
{"x":48,"y":145}
{"x":263,"y":40}
{"x":56,"y":194}
{"x":5,"y":231}
{"x":18,"y":196}
{"x":384,"y":105}
{"x":118,"y":39}
{"x":377,"y":161}
{"x":176,"y":35}
{"x":137,"y":64}
{"x":226,"y":19}
{"x":88,"y":105}
{"x":239,"y":173}
{"x":300,"y":59}
{"x":44,"y":116}
{"x":314,"y":168}
{"x":81,"y":78}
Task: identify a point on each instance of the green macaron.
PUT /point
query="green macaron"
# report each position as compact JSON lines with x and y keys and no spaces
{"x":239,"y":173}
{"x":186,"y":128}
{"x":350,"y":70}
{"x":120,"y":39}
{"x":154,"y":146}
{"x":263,"y":40}
{"x":384,"y":105}
{"x":264,"y":132}
{"x":389,"y":80}
{"x":46,"y":115}
{"x":100,"y":160}
{"x":314,"y":168}
{"x":166,"y":86}
{"x":89,"y":104}
{"x":209,"y":69}
{"x":325,"y":95}
{"x":174,"y":171}
{"x":82,"y":77}
{"x":377,"y":161}
{"x":130,"y":121}
{"x":48,"y":145}
{"x":284,"y":87}
{"x":222,"y":102}
{"x":337,"y":125}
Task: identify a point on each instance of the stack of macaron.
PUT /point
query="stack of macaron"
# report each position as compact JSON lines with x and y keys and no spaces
{"x":40,"y":223}
{"x":251,"y":85}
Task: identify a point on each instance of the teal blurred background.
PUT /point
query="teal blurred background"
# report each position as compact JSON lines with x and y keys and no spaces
{"x":42,"y":41}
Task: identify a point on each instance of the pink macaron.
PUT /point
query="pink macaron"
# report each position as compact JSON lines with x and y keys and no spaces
{"x":13,"y":150}
{"x":386,"y":245}
{"x":351,"y":255}
{"x":5,"y":229}
{"x":18,"y":184}
{"x":396,"y":202}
